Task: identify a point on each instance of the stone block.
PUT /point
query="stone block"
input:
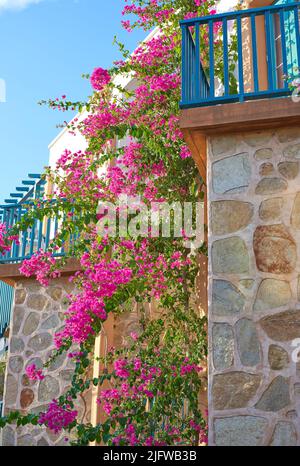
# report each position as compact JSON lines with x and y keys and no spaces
{"x":234,"y":390}
{"x":241,"y":431}
{"x":247,"y":342}
{"x":271,"y":294}
{"x":230,"y":216}
{"x":278,"y":357}
{"x":230,"y":255}
{"x":223,"y":346}
{"x":226,"y":298}
{"x":276,"y":396}
{"x":231,"y":174}
{"x":283,"y":326}
{"x":271,"y":186}
{"x":275,"y":249}
{"x":271,"y":209}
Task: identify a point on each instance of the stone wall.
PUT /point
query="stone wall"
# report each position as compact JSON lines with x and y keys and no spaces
{"x":37,"y":314}
{"x":254,"y":288}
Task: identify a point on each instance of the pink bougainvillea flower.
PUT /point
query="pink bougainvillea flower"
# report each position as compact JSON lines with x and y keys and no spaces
{"x":57,"y":418}
{"x":100,"y":78}
{"x":33,"y":373}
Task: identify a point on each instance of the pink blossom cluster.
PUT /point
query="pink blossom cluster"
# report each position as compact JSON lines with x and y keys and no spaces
{"x":144,"y":375}
{"x":146,"y":14}
{"x":178,"y":261}
{"x":132,"y":438}
{"x":100,"y":78}
{"x":152,"y":268}
{"x":41,"y":265}
{"x":188,"y":368}
{"x":107,"y":115}
{"x":6,"y":239}
{"x":155,"y":52}
{"x":99,"y":281}
{"x":130,"y":174}
{"x":57,"y":418}
{"x":201,"y":431}
{"x":33,"y":373}
{"x":79,"y":178}
{"x":164,"y":82}
{"x":185,"y":152}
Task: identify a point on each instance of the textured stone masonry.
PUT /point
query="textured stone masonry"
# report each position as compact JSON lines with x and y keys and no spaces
{"x":254,"y":287}
{"x":38,"y":313}
{"x":36,"y":316}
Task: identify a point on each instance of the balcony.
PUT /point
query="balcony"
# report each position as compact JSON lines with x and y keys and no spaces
{"x":240,"y":56}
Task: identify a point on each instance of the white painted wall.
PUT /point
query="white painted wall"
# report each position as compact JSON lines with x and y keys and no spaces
{"x":66,"y":140}
{"x":226,"y":5}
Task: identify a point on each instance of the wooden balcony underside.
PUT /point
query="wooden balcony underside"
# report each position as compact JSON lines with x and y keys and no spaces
{"x":10,"y":273}
{"x":200,"y":122}
{"x":247,"y":116}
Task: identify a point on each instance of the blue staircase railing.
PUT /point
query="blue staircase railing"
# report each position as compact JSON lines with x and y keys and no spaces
{"x":207,"y":63}
{"x":40,"y":233}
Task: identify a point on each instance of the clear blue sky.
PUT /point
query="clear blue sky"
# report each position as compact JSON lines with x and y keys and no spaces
{"x":44,"y":50}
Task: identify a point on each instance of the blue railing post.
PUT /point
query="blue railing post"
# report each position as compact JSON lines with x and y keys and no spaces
{"x":198,"y":61}
{"x":296,"y":21}
{"x":211,"y":60}
{"x":270,"y":50}
{"x":283,"y":44}
{"x":240,"y":58}
{"x":225,"y":56}
{"x":254,"y":53}
{"x":6,"y":300}
{"x":184,"y":70}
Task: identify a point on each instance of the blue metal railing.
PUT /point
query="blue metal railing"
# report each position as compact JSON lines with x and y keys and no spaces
{"x":6,"y":302}
{"x":6,"y":299}
{"x":40,"y":233}
{"x":207,"y":67}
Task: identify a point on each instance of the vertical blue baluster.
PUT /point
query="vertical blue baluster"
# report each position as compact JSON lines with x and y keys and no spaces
{"x":184,"y":64}
{"x":240,"y":58}
{"x":283,"y":46}
{"x":24,"y":243}
{"x":191,"y":63}
{"x":48,"y":230}
{"x":15,"y":252}
{"x":63,"y":244}
{"x":193,"y":67}
{"x":5,"y":221}
{"x":197,"y":63}
{"x":254,"y":53}
{"x":225,"y":57}
{"x":14,"y":221}
{"x":269,"y":41}
{"x":10,"y":253}
{"x":55,"y":226}
{"x":188,"y":69}
{"x":32,"y":238}
{"x":40,"y":234}
{"x":211,"y":59}
{"x":296,"y":16}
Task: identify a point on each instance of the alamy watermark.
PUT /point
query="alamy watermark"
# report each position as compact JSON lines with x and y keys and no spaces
{"x":131,"y":217}
{"x":2,"y":91}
